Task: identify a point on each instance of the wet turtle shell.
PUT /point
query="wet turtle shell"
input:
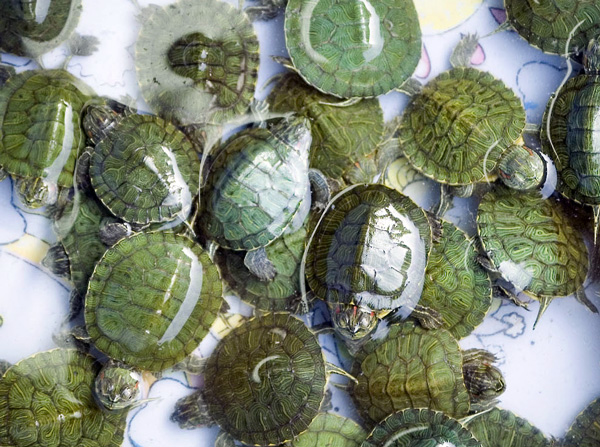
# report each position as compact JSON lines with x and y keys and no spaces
{"x":370,"y":249}
{"x":456,"y":285}
{"x":152,"y":299}
{"x":257,"y":184}
{"x":548,"y":25}
{"x":353,"y":49}
{"x":40,"y":136}
{"x":47,"y":399}
{"x":266,"y":379}
{"x":456,"y":130}
{"x":502,"y":428}
{"x":145,"y":170}
{"x":328,"y":429}
{"x":532,"y":243}
{"x":197,"y":61}
{"x":584,"y":431}
{"x":420,"y":427}
{"x":342,"y":134}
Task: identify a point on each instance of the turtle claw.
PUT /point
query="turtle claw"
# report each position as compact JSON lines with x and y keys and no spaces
{"x":57,"y":261}
{"x":461,"y":56}
{"x":258,"y":263}
{"x":286,"y":62}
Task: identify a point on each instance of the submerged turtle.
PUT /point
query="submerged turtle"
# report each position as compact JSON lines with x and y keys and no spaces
{"x":563,"y":27}
{"x":264,"y":383}
{"x":343,"y":133}
{"x":353,"y":49}
{"x":40,"y":134}
{"x":420,"y":427}
{"x":197,"y":61}
{"x":532,"y":244}
{"x":502,"y":428}
{"x":412,"y":367}
{"x":584,"y":431}
{"x":328,"y":429}
{"x":47,"y":399}
{"x":152,"y":299}
{"x":117,"y":386}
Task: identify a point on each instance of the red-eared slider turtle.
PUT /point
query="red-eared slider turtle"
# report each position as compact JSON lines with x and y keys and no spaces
{"x":584,"y":431}
{"x":353,"y":48}
{"x":145,"y":170}
{"x":456,"y":285}
{"x":263,"y":384}
{"x":117,"y":386}
{"x":367,"y":257}
{"x":531,"y":243}
{"x":329,"y":429}
{"x":420,"y":427}
{"x":413,"y":367}
{"x":40,"y":134}
{"x":257,"y":184}
{"x":197,"y":61}
{"x":47,"y":399}
{"x":342,"y":133}
{"x":502,"y":428}
{"x":152,"y":299}
{"x":563,"y":27}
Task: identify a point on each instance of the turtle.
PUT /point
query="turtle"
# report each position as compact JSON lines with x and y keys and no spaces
{"x":532,"y":244}
{"x":456,"y":284}
{"x":353,"y":49}
{"x":47,"y":399}
{"x":197,"y":61}
{"x":329,"y":429}
{"x":32,"y":28}
{"x":367,"y":257}
{"x":152,"y":299}
{"x":117,"y":386}
{"x":263,"y":385}
{"x":40,"y":136}
{"x":584,"y":431}
{"x":343,"y":133}
{"x":413,"y":367}
{"x":563,"y":27}
{"x":503,"y":428}
{"x":420,"y":427}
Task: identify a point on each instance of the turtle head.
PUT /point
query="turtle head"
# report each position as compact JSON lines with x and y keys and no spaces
{"x":483,"y":380}
{"x":294,"y":131}
{"x":353,"y":322}
{"x":36,"y":192}
{"x":101,"y":115}
{"x":522,"y":168}
{"x":117,"y":386}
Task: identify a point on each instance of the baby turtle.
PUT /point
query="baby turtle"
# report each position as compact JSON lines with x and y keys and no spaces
{"x":585,"y":431}
{"x":47,"y":399}
{"x":502,"y":428}
{"x":197,"y":61}
{"x":367,"y":257}
{"x":353,"y":49}
{"x":342,"y":133}
{"x":263,"y":384}
{"x":152,"y":299}
{"x":532,"y":244}
{"x":563,"y":27}
{"x":117,"y":386}
{"x":456,"y":285}
{"x":420,"y":427}
{"x":40,"y":135}
{"x":416,"y":368}
{"x":328,"y":429}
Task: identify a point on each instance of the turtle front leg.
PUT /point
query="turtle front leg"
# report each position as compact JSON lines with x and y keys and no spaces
{"x":258,"y":263}
{"x":483,"y":380}
{"x":57,"y":261}
{"x":192,"y":412}
{"x":112,"y":231}
{"x":427,"y":317}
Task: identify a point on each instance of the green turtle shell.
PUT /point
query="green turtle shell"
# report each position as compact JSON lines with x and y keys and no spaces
{"x":26,"y":29}
{"x":457,"y":128}
{"x":197,"y":61}
{"x":266,"y":379}
{"x":548,"y":24}
{"x":420,"y":427}
{"x":47,"y":399}
{"x":369,"y":249}
{"x":532,"y":243}
{"x":502,"y":428}
{"x":152,"y":299}
{"x":410,"y":368}
{"x":456,"y":285}
{"x":40,"y":136}
{"x":584,"y":431}
{"x":257,"y":184}
{"x":353,"y":49}
{"x":342,"y":134}
{"x":145,"y":170}
{"x":329,"y":429}
{"x":570,"y":144}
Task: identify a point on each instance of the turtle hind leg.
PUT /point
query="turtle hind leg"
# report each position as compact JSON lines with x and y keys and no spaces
{"x":192,"y":412}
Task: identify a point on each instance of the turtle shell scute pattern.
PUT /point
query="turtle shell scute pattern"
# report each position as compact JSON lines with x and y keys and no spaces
{"x":584,"y":431}
{"x":329,"y":429}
